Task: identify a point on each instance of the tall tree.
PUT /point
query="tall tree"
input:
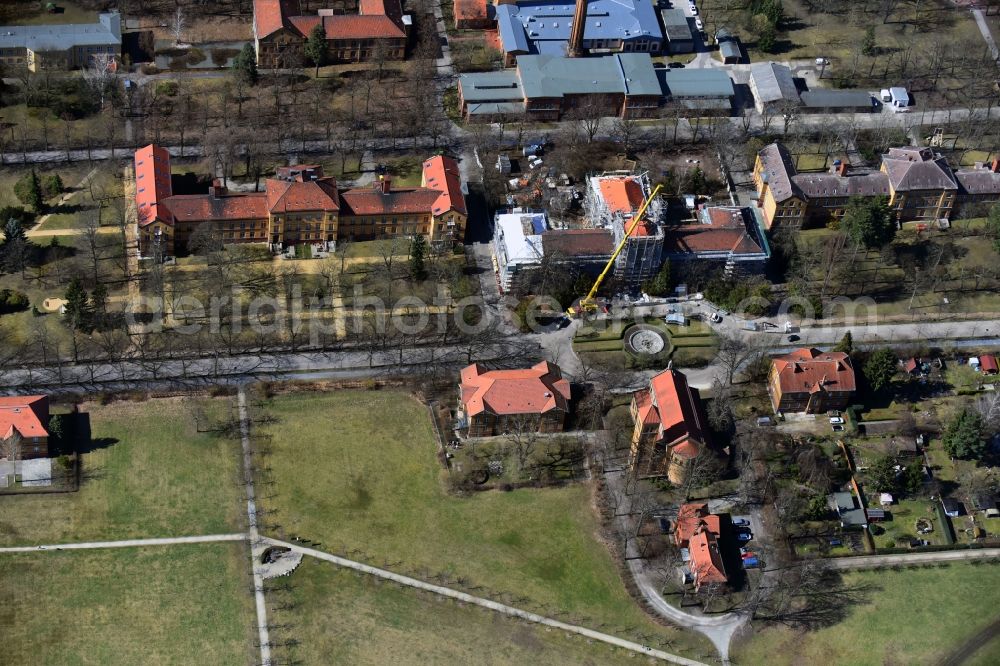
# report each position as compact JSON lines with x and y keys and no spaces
{"x":846,"y":344}
{"x":29,"y":191}
{"x":965,"y":436}
{"x":418,"y":250}
{"x":245,"y":65}
{"x":316,"y":48}
{"x":76,"y":304}
{"x":880,"y":368}
{"x":868,"y":221}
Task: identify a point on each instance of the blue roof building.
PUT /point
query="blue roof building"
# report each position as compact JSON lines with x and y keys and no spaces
{"x":543,"y":28}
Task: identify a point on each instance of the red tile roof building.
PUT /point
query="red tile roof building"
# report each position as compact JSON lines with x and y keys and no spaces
{"x":301,"y":206}
{"x":473,"y":14}
{"x":811,"y":381}
{"x":377,"y":31}
{"x":26,"y":417}
{"x":730,"y":237}
{"x":498,"y":401}
{"x":669,"y":431}
{"x":698,"y":530}
{"x":706,"y":564}
{"x":988,"y":364}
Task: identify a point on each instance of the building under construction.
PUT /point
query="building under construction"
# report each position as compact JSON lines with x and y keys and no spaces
{"x":611,"y":202}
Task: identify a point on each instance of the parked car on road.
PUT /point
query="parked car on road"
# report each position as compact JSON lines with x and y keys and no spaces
{"x":837,"y":420}
{"x":741,"y":522}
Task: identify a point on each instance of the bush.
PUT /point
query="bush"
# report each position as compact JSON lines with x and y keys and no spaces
{"x":52,"y":186}
{"x":166,"y":88}
{"x":12,"y":301}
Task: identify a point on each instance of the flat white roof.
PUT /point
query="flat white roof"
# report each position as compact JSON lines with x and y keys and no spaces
{"x":521,"y":235}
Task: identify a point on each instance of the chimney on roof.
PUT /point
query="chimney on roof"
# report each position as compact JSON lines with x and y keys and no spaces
{"x":382,"y":184}
{"x":995,"y":165}
{"x":574,"y":48}
{"x":217,"y":189}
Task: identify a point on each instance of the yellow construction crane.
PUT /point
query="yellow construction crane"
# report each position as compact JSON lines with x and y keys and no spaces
{"x":587,"y":303}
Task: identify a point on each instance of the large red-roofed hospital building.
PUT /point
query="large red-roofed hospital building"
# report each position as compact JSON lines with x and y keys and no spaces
{"x":298,"y":206}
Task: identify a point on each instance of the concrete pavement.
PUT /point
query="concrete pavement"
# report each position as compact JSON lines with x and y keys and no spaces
{"x":256,"y":546}
{"x":126,"y":543}
{"x":902,"y":559}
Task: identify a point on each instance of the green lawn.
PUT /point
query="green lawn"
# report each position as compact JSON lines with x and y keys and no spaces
{"x":339,"y":617}
{"x":185,"y":604}
{"x":376,"y":492}
{"x":912,"y":617}
{"x":149,"y":474}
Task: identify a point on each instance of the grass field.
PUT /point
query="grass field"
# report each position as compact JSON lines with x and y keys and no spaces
{"x":912,"y":617}
{"x":186,"y":604}
{"x":340,"y":617}
{"x":378,"y":495}
{"x":149,"y":474}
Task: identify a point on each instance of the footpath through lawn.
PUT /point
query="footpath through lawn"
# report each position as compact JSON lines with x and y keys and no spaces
{"x":341,"y":617}
{"x":146,"y":472}
{"x":357,"y":472}
{"x":185,"y":604}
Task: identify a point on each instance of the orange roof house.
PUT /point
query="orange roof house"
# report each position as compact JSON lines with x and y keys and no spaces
{"x":988,"y":364}
{"x":706,"y":559}
{"x":669,"y":427}
{"x":698,"y":530}
{"x":495,"y":401}
{"x":470,"y":14}
{"x":812,"y":381}
{"x":27,"y":417}
{"x":690,"y":518}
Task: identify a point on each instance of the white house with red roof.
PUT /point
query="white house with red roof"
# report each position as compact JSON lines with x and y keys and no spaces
{"x":698,"y":530}
{"x":670,"y":430}
{"x":493,"y":402}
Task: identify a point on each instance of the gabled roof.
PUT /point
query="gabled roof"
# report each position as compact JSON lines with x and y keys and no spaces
{"x":578,"y":243}
{"x":27,"y":415}
{"x":295,"y":196}
{"x":778,"y":169}
{"x":152,"y":184}
{"x":720,"y":229}
{"x":471,"y":10}
{"x":534,"y":390}
{"x":910,"y":168}
{"x":106,"y":32}
{"x":809,"y":370}
{"x":376,"y":19}
{"x":206,"y":207}
{"x":988,"y":363}
{"x":978,"y":181}
{"x":706,"y":558}
{"x":268,"y":17}
{"x":676,"y":408}
{"x":371,"y":201}
{"x":442,"y":174}
{"x":828,"y":184}
{"x":773,"y":82}
{"x":690,"y":518}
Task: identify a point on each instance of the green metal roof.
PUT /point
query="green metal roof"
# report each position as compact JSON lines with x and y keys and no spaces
{"x":708,"y":82}
{"x":552,"y":76}
{"x":501,"y":86}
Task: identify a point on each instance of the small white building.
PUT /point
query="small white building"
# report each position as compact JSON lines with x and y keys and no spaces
{"x":517,"y":244}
